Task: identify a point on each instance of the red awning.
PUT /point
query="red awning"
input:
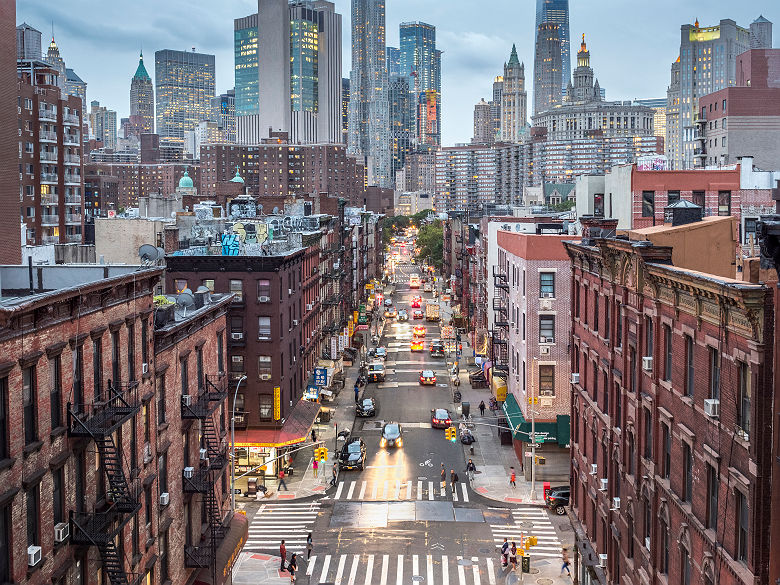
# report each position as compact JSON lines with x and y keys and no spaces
{"x":294,"y":430}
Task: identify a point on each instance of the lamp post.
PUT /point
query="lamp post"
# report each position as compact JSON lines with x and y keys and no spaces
{"x":233,"y":447}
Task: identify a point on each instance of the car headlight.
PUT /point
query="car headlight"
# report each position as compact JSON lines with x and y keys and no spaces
{"x":383,"y":442}
{"x":399,"y":442}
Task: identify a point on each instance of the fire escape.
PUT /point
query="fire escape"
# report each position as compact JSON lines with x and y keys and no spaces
{"x":102,"y":527}
{"x":500,"y":345}
{"x":203,"y":479}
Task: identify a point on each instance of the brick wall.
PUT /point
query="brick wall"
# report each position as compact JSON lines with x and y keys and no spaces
{"x":10,"y":248}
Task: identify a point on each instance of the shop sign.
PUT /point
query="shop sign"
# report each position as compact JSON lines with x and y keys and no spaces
{"x":321,"y":376}
{"x":277,"y":403}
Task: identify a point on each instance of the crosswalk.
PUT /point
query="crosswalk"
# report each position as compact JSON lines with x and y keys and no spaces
{"x":291,"y":521}
{"x":377,"y":569}
{"x":530,"y":521}
{"x":401,"y":490}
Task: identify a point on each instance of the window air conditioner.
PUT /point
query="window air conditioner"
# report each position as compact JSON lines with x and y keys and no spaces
{"x":295,"y":322}
{"x":309,"y":306}
{"x":615,"y":504}
{"x":603,"y":484}
{"x":647,"y":543}
{"x":145,"y":368}
{"x":602,"y":560}
{"x":263,"y":299}
{"x":186,"y":400}
{"x":575,"y":378}
{"x":265,"y":377}
{"x":189,"y":472}
{"x":548,"y":295}
{"x":712,"y":407}
{"x":33,"y":555}
{"x":61,"y":532}
{"x":647,"y":363}
{"x":594,"y":469}
{"x":204,"y":454}
{"x":289,"y":292}
{"x":544,"y":350}
{"x":165,"y":498}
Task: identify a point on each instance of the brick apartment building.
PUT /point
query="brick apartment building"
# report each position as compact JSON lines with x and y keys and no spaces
{"x":50,"y":158}
{"x":671,"y":417}
{"x":532,"y":279}
{"x":95,"y":437}
{"x":10,"y":237}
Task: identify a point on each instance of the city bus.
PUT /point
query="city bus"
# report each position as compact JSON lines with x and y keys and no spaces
{"x":414,"y":281}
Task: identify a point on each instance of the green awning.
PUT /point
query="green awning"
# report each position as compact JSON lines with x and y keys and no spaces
{"x":557,"y":431}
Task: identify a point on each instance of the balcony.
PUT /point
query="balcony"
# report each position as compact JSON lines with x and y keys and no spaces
{"x":48,"y":156}
{"x":71,"y":139}
{"x":50,"y":220}
{"x":73,"y":238}
{"x":50,"y":239}
{"x":47,"y":114}
{"x":72,"y":179}
{"x":49,"y":199}
{"x":49,"y":178}
{"x":73,"y":199}
{"x":72,"y":218}
{"x":70,"y":119}
{"x":44,"y":136}
{"x":72,"y":159}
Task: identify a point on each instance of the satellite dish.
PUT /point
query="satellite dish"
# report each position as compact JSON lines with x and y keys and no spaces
{"x":149,"y":254}
{"x":275,"y":211}
{"x":185,"y":299}
{"x":518,"y":227}
{"x":203,"y":289}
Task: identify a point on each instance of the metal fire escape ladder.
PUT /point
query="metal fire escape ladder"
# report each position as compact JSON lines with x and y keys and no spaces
{"x":500,"y":334}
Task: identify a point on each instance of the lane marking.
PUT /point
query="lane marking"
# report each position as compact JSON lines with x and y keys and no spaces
{"x":419,"y":489}
{"x":430,"y":490}
{"x":465,"y":492}
{"x":475,"y":566}
{"x":311,"y":562}
{"x":369,"y":570}
{"x":351,"y":490}
{"x":325,"y":568}
{"x":362,"y":491}
{"x":385,"y":561}
{"x":430,"y":569}
{"x":399,"y":577}
{"x":338,"y":493}
{"x":461,"y":571}
{"x":491,"y":572}
{"x":353,"y":570}
{"x":445,"y":570}
{"x":340,"y":570}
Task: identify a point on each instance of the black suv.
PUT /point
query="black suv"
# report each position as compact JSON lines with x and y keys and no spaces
{"x":353,"y":454}
{"x":557,"y":499}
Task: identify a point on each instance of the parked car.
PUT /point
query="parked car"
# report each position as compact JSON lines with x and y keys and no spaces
{"x":376,"y":372}
{"x":353,"y":454}
{"x":427,"y":378}
{"x":391,"y":435}
{"x":437,"y":348}
{"x":391,"y":313}
{"x":403,"y":315}
{"x":557,"y":499}
{"x":366,"y":407}
{"x":418,"y":314}
{"x":440,"y":418}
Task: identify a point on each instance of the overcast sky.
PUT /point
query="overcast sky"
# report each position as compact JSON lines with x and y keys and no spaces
{"x":632,"y":43}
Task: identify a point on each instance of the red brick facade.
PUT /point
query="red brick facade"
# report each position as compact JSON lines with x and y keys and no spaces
{"x":10,"y":244}
{"x":653,"y":345}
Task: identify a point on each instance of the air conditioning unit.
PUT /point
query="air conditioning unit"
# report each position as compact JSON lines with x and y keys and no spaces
{"x":547,"y":296}
{"x":144,"y":368}
{"x":544,"y":350}
{"x":186,"y":400}
{"x":204,"y":454}
{"x":594,"y":469}
{"x":647,"y":543}
{"x":165,"y":498}
{"x":295,"y":322}
{"x":308,"y":339}
{"x":263,"y":299}
{"x":545,"y":305}
{"x":289,"y":292}
{"x":61,"y":532}
{"x":147,"y":453}
{"x":712,"y":407}
{"x":615,"y":504}
{"x":647,"y":363}
{"x":189,"y":472}
{"x":237,"y":336}
{"x":603,"y":482}
{"x":33,"y":555}
{"x":602,"y":560}
{"x":265,"y":377}
{"x":309,"y":306}
{"x":575,"y":378}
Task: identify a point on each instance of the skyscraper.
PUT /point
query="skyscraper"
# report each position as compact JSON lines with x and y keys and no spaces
{"x":483,"y":123}
{"x":393,"y":61}
{"x":76,"y":86}
{"x":547,"y":67}
{"x":585,"y":87}
{"x":246,"y":76}
{"x":514,"y":99}
{"x":495,"y":107}
{"x":401,"y":127}
{"x":706,"y":63}
{"x":185,"y":83}
{"x":557,"y":12}
{"x":54,"y":59}
{"x":223,"y":112}
{"x":102,"y":122}
{"x":421,"y":62}
{"x":344,"y":109}
{"x":369,"y":111}
{"x":142,"y":99}
{"x":28,"y":42}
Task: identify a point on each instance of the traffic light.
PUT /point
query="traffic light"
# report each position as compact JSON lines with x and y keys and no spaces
{"x":321,"y":454}
{"x":533,"y":400}
{"x":451,"y":433}
{"x":532,"y":541}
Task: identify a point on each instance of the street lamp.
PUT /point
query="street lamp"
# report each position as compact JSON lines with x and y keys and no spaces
{"x":233,"y":448}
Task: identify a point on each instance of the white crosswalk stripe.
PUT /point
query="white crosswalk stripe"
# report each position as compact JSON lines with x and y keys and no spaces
{"x":530,"y":521}
{"x":399,"y":490}
{"x":291,"y":521}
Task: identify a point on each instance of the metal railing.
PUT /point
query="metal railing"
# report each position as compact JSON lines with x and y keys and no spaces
{"x":47,"y":114}
{"x":49,"y":178}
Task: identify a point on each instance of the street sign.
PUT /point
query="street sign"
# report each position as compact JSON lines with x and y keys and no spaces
{"x":321,"y":376}
{"x":538,"y":439}
{"x":277,"y":402}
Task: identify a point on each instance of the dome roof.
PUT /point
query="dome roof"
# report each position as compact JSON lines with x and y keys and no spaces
{"x":186,"y":181}
{"x":237,"y":178}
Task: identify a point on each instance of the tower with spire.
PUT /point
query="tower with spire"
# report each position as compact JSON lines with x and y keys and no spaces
{"x":141,"y":100}
{"x":54,"y":59}
{"x":513,"y":99}
{"x":583,"y":88}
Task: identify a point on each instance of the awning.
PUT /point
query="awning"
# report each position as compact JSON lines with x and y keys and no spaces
{"x":556,"y":431}
{"x":227,"y":552}
{"x":294,"y":430}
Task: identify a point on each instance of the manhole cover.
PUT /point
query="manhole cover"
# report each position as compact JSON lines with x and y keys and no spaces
{"x":534,"y":571}
{"x":422,"y":478}
{"x":465,"y":562}
{"x":544,"y":581}
{"x":418,"y":578}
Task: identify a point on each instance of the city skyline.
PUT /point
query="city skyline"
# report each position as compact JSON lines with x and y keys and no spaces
{"x":474,"y":48}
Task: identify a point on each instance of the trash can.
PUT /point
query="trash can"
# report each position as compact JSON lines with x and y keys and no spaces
{"x":545,"y":489}
{"x":251,"y":486}
{"x":466,"y":409}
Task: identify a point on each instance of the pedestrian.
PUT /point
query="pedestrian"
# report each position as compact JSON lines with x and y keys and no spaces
{"x":313,"y":436}
{"x":513,"y":555}
{"x":453,"y":479}
{"x":335,"y":473}
{"x":512,"y":477}
{"x":357,"y":392}
{"x":292,"y":567}
{"x":281,"y":480}
{"x":309,"y":546}
{"x":505,"y":552}
{"x":565,"y":559}
{"x":315,"y":467}
{"x":482,"y":408}
{"x":443,"y":476}
{"x":283,"y":554}
{"x":471,"y":469}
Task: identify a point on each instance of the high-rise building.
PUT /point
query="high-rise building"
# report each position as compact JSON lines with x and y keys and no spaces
{"x":557,"y":12}
{"x":659,"y":114}
{"x":585,"y":87}
{"x":28,"y":42}
{"x":344,"y":109}
{"x":10,"y":252}
{"x":495,"y":107}
{"x":393,"y":61}
{"x":465,"y":177}
{"x":102,"y":123}
{"x":223,"y":112}
{"x":54,"y":59}
{"x":706,"y":63}
{"x":246,"y":78}
{"x":421,"y":62}
{"x":75,"y":86}
{"x":483,"y":123}
{"x":142,"y":99}
{"x":513,"y":100}
{"x":401,"y":128}
{"x":369,"y":110}
{"x":185,"y":82}
{"x":547,"y":67}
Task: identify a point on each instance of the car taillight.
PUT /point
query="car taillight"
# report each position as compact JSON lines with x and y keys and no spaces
{"x":436,"y":420}
{"x":433,"y":379}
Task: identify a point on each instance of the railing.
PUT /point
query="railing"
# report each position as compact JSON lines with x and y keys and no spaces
{"x":47,"y":114}
{"x":74,"y":238}
{"x":72,"y":159}
{"x":43,"y":135}
{"x":45,"y":155}
{"x":70,"y":139}
{"x":103,"y":416}
{"x":51,"y":239}
{"x":72,"y":218}
{"x":70,"y":119}
{"x":50,"y":220}
{"x":48,"y":178}
{"x":73,"y":179}
{"x":72,"y":199}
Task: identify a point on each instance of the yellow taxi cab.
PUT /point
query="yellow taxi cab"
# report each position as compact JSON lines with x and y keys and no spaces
{"x":418,"y":345}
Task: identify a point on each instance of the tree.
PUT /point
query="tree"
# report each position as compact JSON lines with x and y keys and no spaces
{"x":430,"y":241}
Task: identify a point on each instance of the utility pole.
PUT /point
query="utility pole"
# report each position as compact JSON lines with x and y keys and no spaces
{"x":533,"y":432}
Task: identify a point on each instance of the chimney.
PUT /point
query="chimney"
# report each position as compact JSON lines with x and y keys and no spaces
{"x":594,"y":228}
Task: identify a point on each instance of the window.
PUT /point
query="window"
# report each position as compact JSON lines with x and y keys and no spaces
{"x":598,"y":205}
{"x":263,"y":365}
{"x":185,"y":376}
{"x":685,"y":567}
{"x":667,"y":353}
{"x":4,"y":426}
{"x":689,"y":368}
{"x":263,"y":291}
{"x":664,"y":538}
{"x":743,"y":514}
{"x":266,"y":405}
{"x":648,"y":434}
{"x":55,"y":369}
{"x":5,"y":544}
{"x":116,"y":354}
{"x":147,"y":417}
{"x":29,"y":400}
{"x":237,"y":364}
{"x":667,"y":450}
{"x":698,"y":198}
{"x":144,"y":341}
{"x":724,"y":202}
{"x":547,"y":285}
{"x":647,"y":524}
{"x":631,"y":454}
{"x":161,"y":398}
{"x":58,"y":495}
{"x":180,"y":284}
{"x":648,"y":204}
{"x":162,"y":471}
{"x":199,"y":368}
{"x":237,"y":289}
{"x":750,"y":230}
{"x":208,"y":283}
{"x":595,"y":383}
{"x":546,"y":328}
{"x":618,"y":325}
{"x":596,"y":312}
{"x":648,"y":337}
{"x":162,"y":547}
{"x":630,"y":551}
{"x":714,"y":374}
{"x":547,"y":380}
{"x":743,"y":413}
{"x":712,"y":498}
{"x":687,"y":483}
{"x":131,"y":352}
{"x":97,"y":368}
{"x":220,"y":353}
{"x":33,"y":506}
{"x":264,"y":327}
{"x":607,"y":318}
{"x":632,"y":367}
{"x":672,"y":197}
